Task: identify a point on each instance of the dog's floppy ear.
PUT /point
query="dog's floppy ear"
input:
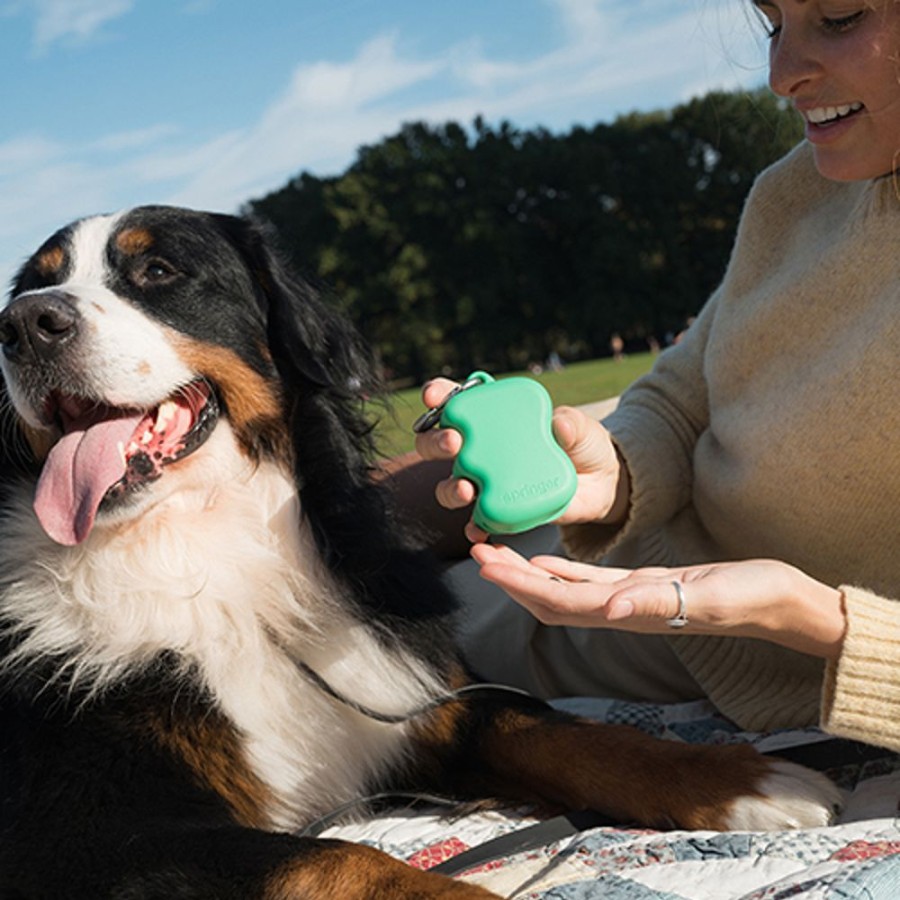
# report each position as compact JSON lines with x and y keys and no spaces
{"x":325,"y":367}
{"x":305,"y":333}
{"x":326,"y":372}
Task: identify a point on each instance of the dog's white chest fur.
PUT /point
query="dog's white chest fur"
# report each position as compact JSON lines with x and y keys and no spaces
{"x":219,"y":572}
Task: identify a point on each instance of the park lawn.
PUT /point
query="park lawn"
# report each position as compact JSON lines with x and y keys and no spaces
{"x":582,"y":382}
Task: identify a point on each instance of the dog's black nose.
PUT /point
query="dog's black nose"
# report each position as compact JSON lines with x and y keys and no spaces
{"x":38,"y":324}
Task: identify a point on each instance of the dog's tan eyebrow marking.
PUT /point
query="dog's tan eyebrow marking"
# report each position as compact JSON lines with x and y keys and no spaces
{"x":134,"y":240}
{"x":51,"y":261}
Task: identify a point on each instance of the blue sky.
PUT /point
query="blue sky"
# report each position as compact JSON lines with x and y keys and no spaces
{"x":209,"y":103}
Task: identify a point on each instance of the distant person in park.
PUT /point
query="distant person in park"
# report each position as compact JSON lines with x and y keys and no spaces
{"x":617,"y":347}
{"x":734,"y":533}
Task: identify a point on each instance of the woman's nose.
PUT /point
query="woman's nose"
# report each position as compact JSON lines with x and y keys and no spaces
{"x":792,"y":62}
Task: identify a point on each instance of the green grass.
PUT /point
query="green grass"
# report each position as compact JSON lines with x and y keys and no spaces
{"x":578,"y":383}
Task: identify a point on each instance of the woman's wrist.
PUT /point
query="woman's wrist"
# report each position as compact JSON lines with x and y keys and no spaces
{"x":618,"y":510}
{"x":812,"y":617}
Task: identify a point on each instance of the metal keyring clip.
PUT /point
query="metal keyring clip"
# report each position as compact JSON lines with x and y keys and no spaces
{"x":431,"y":417}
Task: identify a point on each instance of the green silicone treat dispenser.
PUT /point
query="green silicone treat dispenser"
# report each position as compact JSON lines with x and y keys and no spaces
{"x":524,"y":478}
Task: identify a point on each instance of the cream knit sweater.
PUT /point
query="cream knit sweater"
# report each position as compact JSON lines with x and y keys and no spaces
{"x":773,"y":430}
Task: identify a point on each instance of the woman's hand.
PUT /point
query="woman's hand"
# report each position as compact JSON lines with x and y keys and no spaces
{"x":762,"y":599}
{"x":603,"y":489}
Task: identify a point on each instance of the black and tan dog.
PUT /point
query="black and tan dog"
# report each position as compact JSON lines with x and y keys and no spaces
{"x":190,"y":536}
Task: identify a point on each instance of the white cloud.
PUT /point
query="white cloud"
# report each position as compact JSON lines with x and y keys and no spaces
{"x":134,"y":140}
{"x":76,"y":20}
{"x":376,"y":72}
{"x":588,"y":20}
{"x":324,"y":114}
{"x":617,"y":51}
{"x":33,"y":207}
{"x":329,"y":108}
{"x":24,"y":152}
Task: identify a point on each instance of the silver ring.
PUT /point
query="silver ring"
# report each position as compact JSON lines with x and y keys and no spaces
{"x":680,"y":620}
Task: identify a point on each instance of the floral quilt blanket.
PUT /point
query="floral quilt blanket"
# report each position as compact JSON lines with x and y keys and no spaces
{"x":859,"y":857}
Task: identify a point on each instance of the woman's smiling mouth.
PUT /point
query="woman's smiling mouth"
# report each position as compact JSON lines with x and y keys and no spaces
{"x":825,"y":115}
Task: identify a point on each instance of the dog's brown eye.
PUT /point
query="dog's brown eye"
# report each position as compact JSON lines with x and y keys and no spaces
{"x":155,"y":271}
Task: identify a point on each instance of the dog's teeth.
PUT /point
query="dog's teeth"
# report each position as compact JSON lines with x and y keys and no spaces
{"x":120,"y":446}
{"x":147,"y":436}
{"x":164,"y":416}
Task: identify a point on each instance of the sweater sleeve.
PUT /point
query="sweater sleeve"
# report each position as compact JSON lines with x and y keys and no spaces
{"x":655,"y":429}
{"x":861,"y":693}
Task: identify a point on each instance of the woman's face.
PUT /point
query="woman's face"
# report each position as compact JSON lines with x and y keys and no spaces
{"x":837,"y":62}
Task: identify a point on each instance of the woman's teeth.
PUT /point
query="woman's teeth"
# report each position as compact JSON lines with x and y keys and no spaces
{"x":824,"y":114}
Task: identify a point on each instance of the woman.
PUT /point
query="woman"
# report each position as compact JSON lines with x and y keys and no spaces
{"x":767,"y":436}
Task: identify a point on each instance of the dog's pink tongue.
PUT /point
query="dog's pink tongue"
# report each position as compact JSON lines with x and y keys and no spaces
{"x":79,"y":470}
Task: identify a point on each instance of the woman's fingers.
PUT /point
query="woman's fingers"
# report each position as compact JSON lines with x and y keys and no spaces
{"x":436,"y":391}
{"x":444,"y":444}
{"x":454,"y":493}
{"x":499,"y":554}
{"x":577,"y":571}
{"x":603,"y":487}
{"x":754,"y":598}
{"x":562,"y":592}
{"x":438,"y":443}
{"x":539,"y":590}
{"x":578,"y":436}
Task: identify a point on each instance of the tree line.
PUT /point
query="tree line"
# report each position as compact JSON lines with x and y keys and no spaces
{"x":454,"y":248}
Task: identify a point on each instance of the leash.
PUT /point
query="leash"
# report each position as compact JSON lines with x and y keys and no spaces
{"x":481,"y":687}
{"x":529,"y":838}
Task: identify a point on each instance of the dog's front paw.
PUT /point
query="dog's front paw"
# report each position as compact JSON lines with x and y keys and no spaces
{"x":784,"y":795}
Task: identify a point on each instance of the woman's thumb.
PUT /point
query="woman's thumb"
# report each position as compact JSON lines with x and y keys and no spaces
{"x":585,"y":440}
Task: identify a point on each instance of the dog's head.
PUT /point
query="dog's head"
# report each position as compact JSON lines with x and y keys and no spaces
{"x":128,"y":341}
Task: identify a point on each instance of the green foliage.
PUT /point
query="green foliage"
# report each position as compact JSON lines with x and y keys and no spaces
{"x":455,"y":249}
